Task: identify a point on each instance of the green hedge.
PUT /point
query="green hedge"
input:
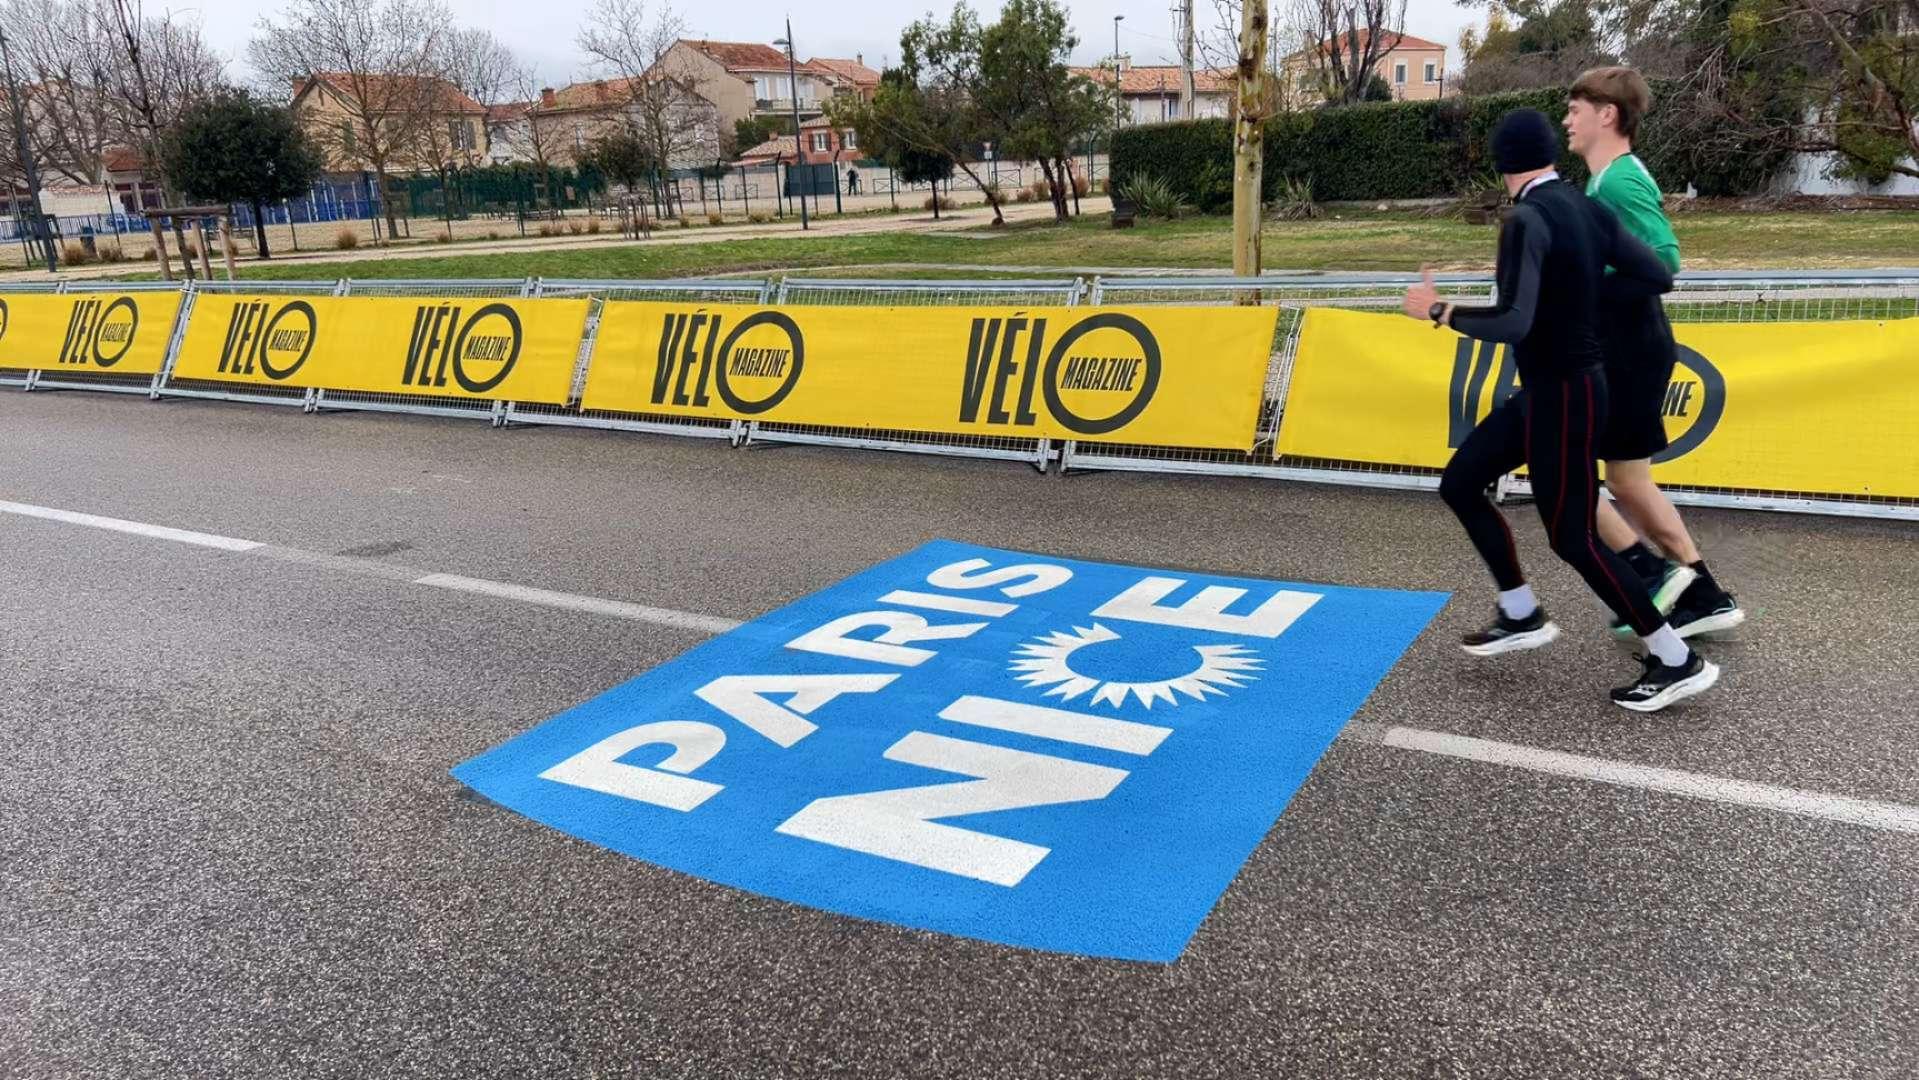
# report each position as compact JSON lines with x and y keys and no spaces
{"x":1398,"y":150}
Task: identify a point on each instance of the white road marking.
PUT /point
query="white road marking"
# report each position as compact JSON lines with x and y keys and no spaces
{"x":618,"y":609}
{"x":1876,"y":815}
{"x":1892,"y":817}
{"x":136,"y":528}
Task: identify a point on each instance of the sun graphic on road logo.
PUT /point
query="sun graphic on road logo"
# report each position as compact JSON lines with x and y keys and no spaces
{"x":1047,"y":663}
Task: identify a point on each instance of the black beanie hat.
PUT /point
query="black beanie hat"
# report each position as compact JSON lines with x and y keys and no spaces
{"x":1524,"y":141}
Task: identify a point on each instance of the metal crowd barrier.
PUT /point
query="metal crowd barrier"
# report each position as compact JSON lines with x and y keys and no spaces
{"x":1728,"y":296}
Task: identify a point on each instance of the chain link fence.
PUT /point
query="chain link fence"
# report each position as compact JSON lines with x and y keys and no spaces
{"x":1726,"y":297}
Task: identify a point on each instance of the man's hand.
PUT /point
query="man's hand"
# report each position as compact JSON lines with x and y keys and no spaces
{"x":1420,"y":298}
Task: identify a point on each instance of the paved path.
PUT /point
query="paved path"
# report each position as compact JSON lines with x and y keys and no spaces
{"x":229,"y":846}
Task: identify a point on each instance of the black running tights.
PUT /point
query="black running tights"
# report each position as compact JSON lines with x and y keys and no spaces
{"x":1550,"y":429}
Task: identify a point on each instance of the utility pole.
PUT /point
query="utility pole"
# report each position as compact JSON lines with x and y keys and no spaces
{"x":1249,"y":139}
{"x":1119,"y":80}
{"x":1186,"y":98}
{"x":799,"y":149}
{"x":38,"y":222}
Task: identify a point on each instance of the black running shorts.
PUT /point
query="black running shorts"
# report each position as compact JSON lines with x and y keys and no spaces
{"x":1640,"y":356}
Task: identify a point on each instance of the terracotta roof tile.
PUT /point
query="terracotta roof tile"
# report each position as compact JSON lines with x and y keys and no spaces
{"x":742,"y":55}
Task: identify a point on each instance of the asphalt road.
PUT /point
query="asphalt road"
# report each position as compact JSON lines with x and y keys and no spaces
{"x":229,"y":846}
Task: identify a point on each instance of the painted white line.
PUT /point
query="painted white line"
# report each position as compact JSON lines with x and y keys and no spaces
{"x":136,"y":528}
{"x":619,"y":609}
{"x":1876,"y":815}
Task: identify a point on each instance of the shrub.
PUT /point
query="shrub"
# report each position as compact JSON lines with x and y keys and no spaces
{"x":493,"y":234}
{"x":150,"y":255}
{"x":1154,"y":197}
{"x":346,"y":239}
{"x":73,"y":254}
{"x":1081,"y":187}
{"x":115,"y":254}
{"x":685,"y":222}
{"x":593,"y":225}
{"x":575,"y":227}
{"x":1295,"y":201}
{"x":443,"y":238}
{"x":1040,"y":190}
{"x":759,"y":217}
{"x":713,"y":217}
{"x":1419,"y":149}
{"x":550,"y":228}
{"x":944,"y":202}
{"x":191,"y":248}
{"x":994,"y":191}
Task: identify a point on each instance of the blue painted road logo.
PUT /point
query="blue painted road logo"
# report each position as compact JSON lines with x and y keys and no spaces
{"x":1041,"y":752}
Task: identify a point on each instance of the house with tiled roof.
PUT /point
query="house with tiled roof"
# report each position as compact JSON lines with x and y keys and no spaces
{"x":820,"y":144}
{"x":1413,"y":67}
{"x":1151,"y":92}
{"x":429,"y":118}
{"x":745,"y":79}
{"x":564,"y":123}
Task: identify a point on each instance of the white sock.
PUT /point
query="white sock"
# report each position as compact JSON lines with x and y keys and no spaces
{"x":1518,"y":603}
{"x":1669,"y":647}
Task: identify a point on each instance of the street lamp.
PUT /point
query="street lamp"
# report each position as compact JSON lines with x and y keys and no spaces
{"x":1119,"y":77}
{"x":799,"y":147}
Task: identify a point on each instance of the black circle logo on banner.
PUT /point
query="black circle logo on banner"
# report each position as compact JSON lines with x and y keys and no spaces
{"x":489,"y":348}
{"x":722,"y":381}
{"x":269,"y":339}
{"x":125,"y":339}
{"x":1712,"y":390}
{"x":1142,"y":395}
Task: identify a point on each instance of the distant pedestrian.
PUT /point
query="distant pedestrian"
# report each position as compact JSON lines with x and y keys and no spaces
{"x":852,"y":181}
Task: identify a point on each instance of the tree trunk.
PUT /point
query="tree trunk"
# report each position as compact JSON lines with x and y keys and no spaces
{"x":992,"y":197}
{"x":392,"y":221}
{"x":260,"y":228}
{"x":1055,"y":192}
{"x":1249,"y":139}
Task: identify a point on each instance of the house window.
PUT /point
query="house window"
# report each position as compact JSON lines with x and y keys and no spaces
{"x":1399,"y":73}
{"x":822,"y":142}
{"x":850,"y":140}
{"x":349,"y":139}
{"x":763,"y":87}
{"x":459,"y":134}
{"x":1432,"y":71}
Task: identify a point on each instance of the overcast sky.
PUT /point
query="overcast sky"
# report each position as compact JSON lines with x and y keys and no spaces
{"x":543,"y":31}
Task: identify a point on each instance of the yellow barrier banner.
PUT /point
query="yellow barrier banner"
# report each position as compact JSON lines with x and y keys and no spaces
{"x":1819,"y":407}
{"x":121,"y":333}
{"x":1158,"y":375}
{"x":451,"y":347}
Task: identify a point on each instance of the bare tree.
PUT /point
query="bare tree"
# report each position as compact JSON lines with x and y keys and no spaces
{"x":537,"y":137}
{"x":476,"y":69}
{"x":381,"y":68}
{"x":1292,"y":30}
{"x":655,"y":90}
{"x":1356,"y":35}
{"x":62,"y":53}
{"x":162,"y":67}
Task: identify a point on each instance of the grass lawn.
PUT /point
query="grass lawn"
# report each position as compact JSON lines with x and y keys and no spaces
{"x":1354,"y":241}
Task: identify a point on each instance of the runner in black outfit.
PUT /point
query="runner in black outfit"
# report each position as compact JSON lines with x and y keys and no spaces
{"x":1553,"y":252}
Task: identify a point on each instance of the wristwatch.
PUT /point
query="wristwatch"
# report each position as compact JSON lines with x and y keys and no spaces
{"x":1436,"y":312}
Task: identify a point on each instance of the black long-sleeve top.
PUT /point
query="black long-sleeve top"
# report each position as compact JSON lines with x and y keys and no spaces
{"x":1553,"y":254}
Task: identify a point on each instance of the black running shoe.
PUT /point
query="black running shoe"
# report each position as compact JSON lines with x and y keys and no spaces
{"x":1659,"y":685}
{"x":1706,"y":609}
{"x":1511,"y":635}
